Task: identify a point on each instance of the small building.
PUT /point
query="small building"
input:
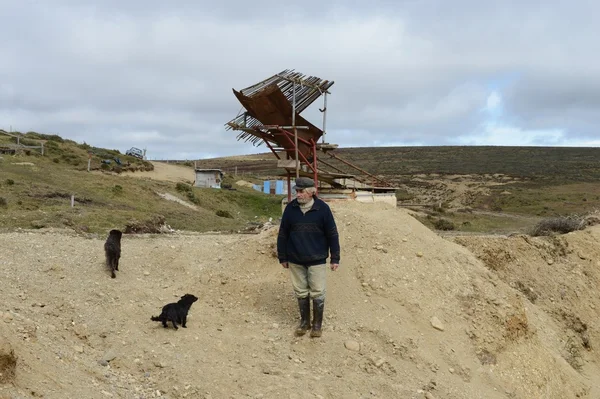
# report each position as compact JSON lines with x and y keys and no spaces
{"x":209,"y":178}
{"x":276,"y":187}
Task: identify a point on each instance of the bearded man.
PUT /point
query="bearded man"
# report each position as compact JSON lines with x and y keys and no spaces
{"x":307,"y":235}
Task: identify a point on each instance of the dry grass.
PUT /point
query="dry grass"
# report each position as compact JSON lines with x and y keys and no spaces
{"x":560,"y":225}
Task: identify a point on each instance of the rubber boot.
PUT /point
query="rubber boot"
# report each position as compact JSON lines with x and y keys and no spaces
{"x":318,"y":306}
{"x":304,"y":306}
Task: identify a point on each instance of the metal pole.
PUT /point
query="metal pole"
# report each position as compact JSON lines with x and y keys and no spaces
{"x":324,"y":114}
{"x":315,"y":175}
{"x":289,"y":188}
{"x":295,"y":131}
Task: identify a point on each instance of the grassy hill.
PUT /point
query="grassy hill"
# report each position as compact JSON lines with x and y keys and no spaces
{"x":36,"y":190}
{"x":554,"y":164}
{"x":529,"y":182}
{"x":457,"y":188}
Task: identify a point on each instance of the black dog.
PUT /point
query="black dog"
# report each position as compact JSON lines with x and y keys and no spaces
{"x":112,"y":249}
{"x":176,"y":312}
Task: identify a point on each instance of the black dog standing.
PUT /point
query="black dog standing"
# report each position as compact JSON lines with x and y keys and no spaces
{"x":176,"y":312}
{"x":112,"y":249}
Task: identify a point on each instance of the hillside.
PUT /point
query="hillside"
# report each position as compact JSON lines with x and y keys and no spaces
{"x":408,"y":315}
{"x":547,"y":163}
{"x":468,"y":189}
{"x":36,"y":192}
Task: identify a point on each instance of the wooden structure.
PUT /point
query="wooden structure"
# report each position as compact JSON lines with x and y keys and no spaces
{"x":14,"y":148}
{"x":272,"y":116}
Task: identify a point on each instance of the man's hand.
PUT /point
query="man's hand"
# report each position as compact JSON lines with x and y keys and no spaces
{"x":334,"y":266}
{"x":285,"y":265}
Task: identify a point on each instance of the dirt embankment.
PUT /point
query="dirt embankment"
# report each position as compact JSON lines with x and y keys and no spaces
{"x":166,"y":172}
{"x":408,"y":315}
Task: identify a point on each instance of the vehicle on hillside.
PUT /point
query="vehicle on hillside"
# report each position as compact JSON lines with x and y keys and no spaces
{"x":135,"y":152}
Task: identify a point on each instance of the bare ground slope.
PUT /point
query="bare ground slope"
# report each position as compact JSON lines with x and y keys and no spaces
{"x":167,"y":172}
{"x":79,"y":334}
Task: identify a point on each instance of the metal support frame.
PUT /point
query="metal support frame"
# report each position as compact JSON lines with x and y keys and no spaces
{"x":287,"y":135}
{"x":269,"y":145}
{"x":278,"y":138}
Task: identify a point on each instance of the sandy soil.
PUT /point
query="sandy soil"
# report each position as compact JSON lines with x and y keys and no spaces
{"x":409,"y":314}
{"x":165,"y":171}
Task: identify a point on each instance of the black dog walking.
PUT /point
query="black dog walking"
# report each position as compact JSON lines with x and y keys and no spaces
{"x":112,"y":249}
{"x":176,"y":312}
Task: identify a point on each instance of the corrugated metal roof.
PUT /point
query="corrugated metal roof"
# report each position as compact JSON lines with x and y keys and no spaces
{"x":308,"y":89}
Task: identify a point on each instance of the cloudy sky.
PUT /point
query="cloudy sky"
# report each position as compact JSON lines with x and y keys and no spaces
{"x":159,"y":74}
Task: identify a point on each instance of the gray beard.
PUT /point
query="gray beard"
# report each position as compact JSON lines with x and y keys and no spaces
{"x":304,"y":201}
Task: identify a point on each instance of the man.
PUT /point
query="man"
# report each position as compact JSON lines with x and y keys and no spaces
{"x":307,"y":234}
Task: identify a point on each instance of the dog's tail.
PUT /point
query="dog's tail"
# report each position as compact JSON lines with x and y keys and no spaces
{"x":155,"y":318}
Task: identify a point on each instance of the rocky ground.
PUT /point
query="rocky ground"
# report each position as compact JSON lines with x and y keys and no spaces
{"x":409,"y":314}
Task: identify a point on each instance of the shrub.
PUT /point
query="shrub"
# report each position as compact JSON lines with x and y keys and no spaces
{"x":404,"y":195}
{"x":443,"y":224}
{"x":56,"y":160}
{"x":224,"y":214}
{"x":561,"y":225}
{"x":3,"y":202}
{"x":193,"y":198}
{"x":117,"y":189}
{"x":10,"y":182}
{"x":182,"y":187}
{"x":49,"y":137}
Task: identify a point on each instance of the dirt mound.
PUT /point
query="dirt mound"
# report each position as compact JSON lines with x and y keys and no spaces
{"x":560,"y":276}
{"x":407,"y":315}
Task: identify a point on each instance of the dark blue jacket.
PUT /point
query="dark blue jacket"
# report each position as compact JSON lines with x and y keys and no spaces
{"x":307,"y":238}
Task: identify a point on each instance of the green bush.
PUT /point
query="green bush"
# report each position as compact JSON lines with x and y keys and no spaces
{"x":117,"y":189}
{"x":404,"y":195}
{"x":182,"y":187}
{"x":224,"y":214}
{"x":10,"y":182}
{"x":56,"y":160}
{"x":443,"y":224}
{"x":3,"y":202}
{"x":193,"y":198}
{"x":49,"y":137}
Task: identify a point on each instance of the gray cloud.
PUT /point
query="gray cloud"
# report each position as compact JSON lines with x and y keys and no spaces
{"x":160,"y":74}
